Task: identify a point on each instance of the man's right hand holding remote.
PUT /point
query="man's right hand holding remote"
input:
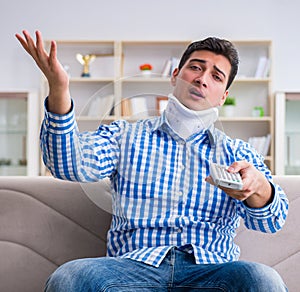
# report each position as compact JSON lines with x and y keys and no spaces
{"x":257,"y":191}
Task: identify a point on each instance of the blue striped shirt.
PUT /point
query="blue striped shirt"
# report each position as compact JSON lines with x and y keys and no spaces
{"x":160,"y":197}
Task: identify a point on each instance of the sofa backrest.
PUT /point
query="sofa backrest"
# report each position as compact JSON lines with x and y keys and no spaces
{"x":46,"y":222}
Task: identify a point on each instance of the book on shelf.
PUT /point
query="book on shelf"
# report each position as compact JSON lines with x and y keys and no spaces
{"x":169,"y":66}
{"x":136,"y":107}
{"x":263,"y":67}
{"x":101,"y":106}
{"x":143,"y":106}
{"x":126,"y":109}
{"x":261,"y":144}
{"x":139,"y":106}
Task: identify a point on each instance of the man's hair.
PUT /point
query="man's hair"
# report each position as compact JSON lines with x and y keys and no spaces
{"x":217,"y":46}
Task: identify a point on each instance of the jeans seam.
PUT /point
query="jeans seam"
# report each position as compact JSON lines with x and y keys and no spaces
{"x":135,"y":285}
{"x":199,"y":287}
{"x":172,"y":264}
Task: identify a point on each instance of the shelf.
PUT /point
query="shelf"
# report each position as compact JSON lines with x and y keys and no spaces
{"x":292,"y":132}
{"x":146,"y":79}
{"x":96,"y":118}
{"x":134,"y":119}
{"x":11,"y":166}
{"x":13,"y":170}
{"x":12,"y":132}
{"x":246,"y":119}
{"x":252,"y":79}
{"x":89,"y":79}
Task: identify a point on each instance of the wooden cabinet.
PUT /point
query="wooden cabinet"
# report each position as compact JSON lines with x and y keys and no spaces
{"x":116,"y":78}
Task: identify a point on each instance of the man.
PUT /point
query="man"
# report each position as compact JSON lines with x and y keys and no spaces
{"x":172,"y":229}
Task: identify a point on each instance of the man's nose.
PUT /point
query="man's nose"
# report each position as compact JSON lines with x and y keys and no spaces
{"x":201,"y":79}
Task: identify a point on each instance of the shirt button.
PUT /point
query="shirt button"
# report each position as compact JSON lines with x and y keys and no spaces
{"x":179,"y":230}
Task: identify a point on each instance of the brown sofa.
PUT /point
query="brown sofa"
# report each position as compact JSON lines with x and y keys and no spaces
{"x":45,"y":222}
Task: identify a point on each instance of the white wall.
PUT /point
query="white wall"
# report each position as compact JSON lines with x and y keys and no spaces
{"x":145,"y":19}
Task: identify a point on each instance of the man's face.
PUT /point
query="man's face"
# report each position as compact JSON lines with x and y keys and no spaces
{"x":201,"y":82}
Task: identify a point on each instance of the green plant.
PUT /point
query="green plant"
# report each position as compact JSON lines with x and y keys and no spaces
{"x":230,"y":100}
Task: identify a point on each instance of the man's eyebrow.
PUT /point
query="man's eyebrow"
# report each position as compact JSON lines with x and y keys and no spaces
{"x":204,"y":61}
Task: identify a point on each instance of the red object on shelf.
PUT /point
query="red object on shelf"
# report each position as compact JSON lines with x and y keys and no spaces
{"x":146,"y":67}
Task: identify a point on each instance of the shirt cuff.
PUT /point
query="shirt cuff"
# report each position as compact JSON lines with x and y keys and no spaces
{"x":57,"y":123}
{"x":267,"y":211}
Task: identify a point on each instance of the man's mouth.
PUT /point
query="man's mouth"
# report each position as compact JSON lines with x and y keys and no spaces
{"x":196,"y":93}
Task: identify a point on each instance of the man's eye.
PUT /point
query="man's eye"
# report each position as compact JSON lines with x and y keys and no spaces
{"x":217,"y":77}
{"x":196,"y":68}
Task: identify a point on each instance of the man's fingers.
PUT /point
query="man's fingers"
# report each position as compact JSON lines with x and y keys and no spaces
{"x":30,"y":45}
{"x":238,"y":165}
{"x":209,"y":180}
{"x":52,"y":54}
{"x":40,"y":46}
{"x":23,"y":43}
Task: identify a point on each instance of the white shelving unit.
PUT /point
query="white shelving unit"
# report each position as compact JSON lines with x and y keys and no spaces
{"x":118,"y":75}
{"x":19,"y":132}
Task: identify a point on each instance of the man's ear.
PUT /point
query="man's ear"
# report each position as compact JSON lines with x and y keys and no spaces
{"x":223,"y":98}
{"x":174,"y":76}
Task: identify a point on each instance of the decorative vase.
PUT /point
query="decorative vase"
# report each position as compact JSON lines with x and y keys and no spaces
{"x":146,"y":73}
{"x":228,"y":110}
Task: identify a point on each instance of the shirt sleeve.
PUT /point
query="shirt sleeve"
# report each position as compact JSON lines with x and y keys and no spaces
{"x":272,"y":217}
{"x":84,"y":157}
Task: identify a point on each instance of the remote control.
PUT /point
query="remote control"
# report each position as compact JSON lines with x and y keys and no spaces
{"x":222,"y":177}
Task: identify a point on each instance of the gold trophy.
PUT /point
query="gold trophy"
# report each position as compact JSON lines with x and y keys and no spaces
{"x":85,"y":60}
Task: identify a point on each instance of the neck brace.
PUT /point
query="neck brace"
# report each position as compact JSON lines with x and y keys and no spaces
{"x":186,"y":122}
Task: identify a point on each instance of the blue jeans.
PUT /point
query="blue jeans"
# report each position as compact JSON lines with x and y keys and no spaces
{"x":178,"y":272}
